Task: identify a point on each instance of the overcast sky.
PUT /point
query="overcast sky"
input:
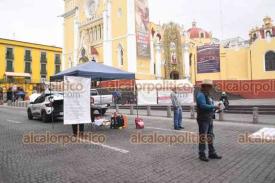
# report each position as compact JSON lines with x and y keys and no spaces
{"x":38,"y":21}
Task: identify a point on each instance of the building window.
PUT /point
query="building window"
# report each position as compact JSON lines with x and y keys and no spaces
{"x":202,"y":35}
{"x":9,"y":54}
{"x":270,"y":61}
{"x":28,"y":59}
{"x":43,"y":69}
{"x":9,"y":59}
{"x":120,"y":54}
{"x":254,"y":36}
{"x":28,"y":56}
{"x":268,"y":34}
{"x":43,"y":57}
{"x":9,"y":66}
{"x":28,"y":67}
{"x":43,"y":64}
{"x":57,"y":63}
{"x":154,"y":68}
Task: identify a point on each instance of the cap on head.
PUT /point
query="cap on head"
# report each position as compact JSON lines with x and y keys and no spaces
{"x":207,"y":82}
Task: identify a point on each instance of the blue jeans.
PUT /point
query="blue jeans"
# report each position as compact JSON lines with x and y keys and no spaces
{"x":177,"y":117}
{"x":206,"y":136}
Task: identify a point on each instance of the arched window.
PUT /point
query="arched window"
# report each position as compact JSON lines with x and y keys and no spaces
{"x":268,"y":34}
{"x":270,"y":61}
{"x":120,"y":54}
{"x":254,"y":36}
{"x":202,"y":35}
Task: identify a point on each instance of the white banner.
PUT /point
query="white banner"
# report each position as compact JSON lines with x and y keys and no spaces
{"x":153,"y":92}
{"x":77,"y":100}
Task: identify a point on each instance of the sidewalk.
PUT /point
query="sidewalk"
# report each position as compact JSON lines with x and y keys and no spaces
{"x":253,"y":102}
{"x":236,"y":118}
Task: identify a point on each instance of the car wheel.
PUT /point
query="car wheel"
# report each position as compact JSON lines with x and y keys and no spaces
{"x":30,"y":116}
{"x":45,"y":118}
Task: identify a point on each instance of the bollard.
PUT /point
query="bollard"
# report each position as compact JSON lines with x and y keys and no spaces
{"x":255,"y":115}
{"x":117,"y":108}
{"x":148,"y":110}
{"x":192,"y":110}
{"x":221,"y":116}
{"x":169,"y":112}
{"x":131,"y":109}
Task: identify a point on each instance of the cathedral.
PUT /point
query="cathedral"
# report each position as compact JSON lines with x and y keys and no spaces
{"x":119,"y":34}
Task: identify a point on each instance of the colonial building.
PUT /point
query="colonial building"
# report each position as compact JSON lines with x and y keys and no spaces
{"x":114,"y":33}
{"x":246,"y":67}
{"x":119,"y":34}
{"x":27,"y":64}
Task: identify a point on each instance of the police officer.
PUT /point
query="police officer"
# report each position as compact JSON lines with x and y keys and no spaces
{"x":205,"y":112}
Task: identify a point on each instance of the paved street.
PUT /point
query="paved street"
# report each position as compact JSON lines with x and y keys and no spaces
{"x":118,"y":160}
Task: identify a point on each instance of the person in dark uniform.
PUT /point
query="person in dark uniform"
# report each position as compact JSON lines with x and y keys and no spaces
{"x":81,"y":130}
{"x":224,"y":99}
{"x":205,"y":112}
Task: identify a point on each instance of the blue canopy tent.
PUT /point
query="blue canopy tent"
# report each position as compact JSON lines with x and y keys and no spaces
{"x":95,"y":71}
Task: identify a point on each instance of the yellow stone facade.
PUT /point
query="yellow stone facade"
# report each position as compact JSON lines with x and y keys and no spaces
{"x":27,"y":64}
{"x":107,"y":29}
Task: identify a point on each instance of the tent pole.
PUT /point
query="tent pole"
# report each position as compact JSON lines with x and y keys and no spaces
{"x":51,"y":102}
{"x":136,"y":94}
{"x":100,"y":99}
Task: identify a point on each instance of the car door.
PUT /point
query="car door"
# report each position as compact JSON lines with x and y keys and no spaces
{"x":36,"y":106}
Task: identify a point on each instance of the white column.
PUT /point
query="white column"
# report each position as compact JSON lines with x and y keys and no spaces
{"x":186,"y":59}
{"x":107,"y":33}
{"x":158,"y":61}
{"x":131,"y":37}
{"x":76,"y":39}
{"x":63,"y":61}
{"x":152,"y":50}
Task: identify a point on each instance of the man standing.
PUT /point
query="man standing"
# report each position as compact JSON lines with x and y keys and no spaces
{"x":205,"y":113}
{"x":177,"y":110}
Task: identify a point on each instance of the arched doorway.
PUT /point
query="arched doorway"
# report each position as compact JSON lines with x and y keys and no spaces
{"x":174,"y":75}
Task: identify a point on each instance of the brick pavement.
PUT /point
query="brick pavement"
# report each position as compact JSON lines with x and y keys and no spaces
{"x":144,"y":163}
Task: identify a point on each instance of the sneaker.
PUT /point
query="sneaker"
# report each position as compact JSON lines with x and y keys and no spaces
{"x":203,"y":158}
{"x":214,"y":156}
{"x":181,"y":127}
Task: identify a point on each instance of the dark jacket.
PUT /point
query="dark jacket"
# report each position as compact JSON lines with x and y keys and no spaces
{"x":205,"y":108}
